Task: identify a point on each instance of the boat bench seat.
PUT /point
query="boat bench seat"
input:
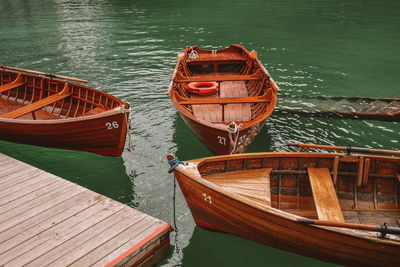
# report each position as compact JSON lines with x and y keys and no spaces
{"x":325,"y":198}
{"x":218,"y":78}
{"x":19,"y":81}
{"x":38,"y":104}
{"x":9,"y":86}
{"x":253,"y":184}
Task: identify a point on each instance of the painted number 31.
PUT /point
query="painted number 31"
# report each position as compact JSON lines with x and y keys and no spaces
{"x":112,"y":125}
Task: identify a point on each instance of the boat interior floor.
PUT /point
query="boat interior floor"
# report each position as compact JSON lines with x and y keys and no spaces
{"x":7,"y":105}
{"x":256,"y":188}
{"x":216,"y":113}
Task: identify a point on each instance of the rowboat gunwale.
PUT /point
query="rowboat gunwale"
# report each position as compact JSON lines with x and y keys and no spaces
{"x":108,"y":113}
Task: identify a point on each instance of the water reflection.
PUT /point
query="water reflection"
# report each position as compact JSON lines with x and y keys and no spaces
{"x":104,"y":175}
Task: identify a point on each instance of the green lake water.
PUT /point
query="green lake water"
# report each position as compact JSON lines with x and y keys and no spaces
{"x":129,"y":48}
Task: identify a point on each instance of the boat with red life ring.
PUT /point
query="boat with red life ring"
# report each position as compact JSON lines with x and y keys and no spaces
{"x":225,"y":96}
{"x":202,"y":88}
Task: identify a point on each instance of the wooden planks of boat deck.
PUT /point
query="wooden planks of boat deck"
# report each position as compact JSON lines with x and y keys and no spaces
{"x":48,"y":221}
{"x":232,"y":112}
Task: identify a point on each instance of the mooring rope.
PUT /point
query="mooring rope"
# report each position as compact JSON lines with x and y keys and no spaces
{"x":193,"y":54}
{"x":128,"y":124}
{"x":175,"y":163}
{"x":232,"y":129}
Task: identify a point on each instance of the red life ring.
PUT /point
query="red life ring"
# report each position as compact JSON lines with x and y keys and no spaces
{"x":203,"y":88}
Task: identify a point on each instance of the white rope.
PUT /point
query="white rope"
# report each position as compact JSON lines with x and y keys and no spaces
{"x":193,"y":54}
{"x":232,"y":130}
{"x":128,"y":127}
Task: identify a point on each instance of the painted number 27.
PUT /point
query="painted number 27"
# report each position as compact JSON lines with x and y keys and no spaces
{"x":112,"y":125}
{"x":221,"y":140}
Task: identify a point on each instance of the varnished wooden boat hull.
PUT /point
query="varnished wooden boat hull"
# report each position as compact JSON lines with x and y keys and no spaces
{"x":91,"y":135}
{"x":217,"y":140}
{"x":247,"y":96}
{"x":40,"y":109}
{"x":219,"y":210}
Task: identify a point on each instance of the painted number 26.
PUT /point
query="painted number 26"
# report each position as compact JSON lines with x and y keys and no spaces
{"x":112,"y":125}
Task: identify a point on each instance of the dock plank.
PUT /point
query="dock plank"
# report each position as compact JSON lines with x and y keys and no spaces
{"x":38,"y":223}
{"x":98,"y":252}
{"x":43,"y":242}
{"x":33,"y":199}
{"x":23,"y":188}
{"x":157,"y":227}
{"x":75,"y":247}
{"x":15,"y":176}
{"x":46,"y":220}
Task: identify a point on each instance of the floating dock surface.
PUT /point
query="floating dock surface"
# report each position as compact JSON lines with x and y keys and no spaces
{"x":48,"y":221}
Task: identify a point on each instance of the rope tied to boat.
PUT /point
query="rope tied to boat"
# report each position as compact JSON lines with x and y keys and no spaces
{"x":193,"y":54}
{"x":233,"y":129}
{"x":128,"y":124}
{"x":174,"y":162}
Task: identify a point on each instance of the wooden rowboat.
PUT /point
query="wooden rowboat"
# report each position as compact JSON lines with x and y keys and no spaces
{"x":228,"y":120}
{"x":49,"y":110}
{"x":334,"y":207}
{"x":386,"y":109}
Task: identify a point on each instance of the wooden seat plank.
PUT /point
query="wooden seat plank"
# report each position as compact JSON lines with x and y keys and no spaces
{"x":9,"y":86}
{"x":253,"y":184}
{"x":37,"y":105}
{"x":325,"y":198}
{"x":227,"y":100}
{"x":235,"y":112}
{"x":218,"y":78}
{"x":19,"y":81}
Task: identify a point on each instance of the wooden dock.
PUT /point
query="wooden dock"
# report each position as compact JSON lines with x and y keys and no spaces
{"x":48,"y":221}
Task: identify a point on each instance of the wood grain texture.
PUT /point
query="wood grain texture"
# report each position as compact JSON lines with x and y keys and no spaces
{"x":325,"y":198}
{"x":206,"y":185}
{"x":52,"y":113}
{"x":247,"y":96}
{"x":48,"y":221}
{"x":235,"y":112}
